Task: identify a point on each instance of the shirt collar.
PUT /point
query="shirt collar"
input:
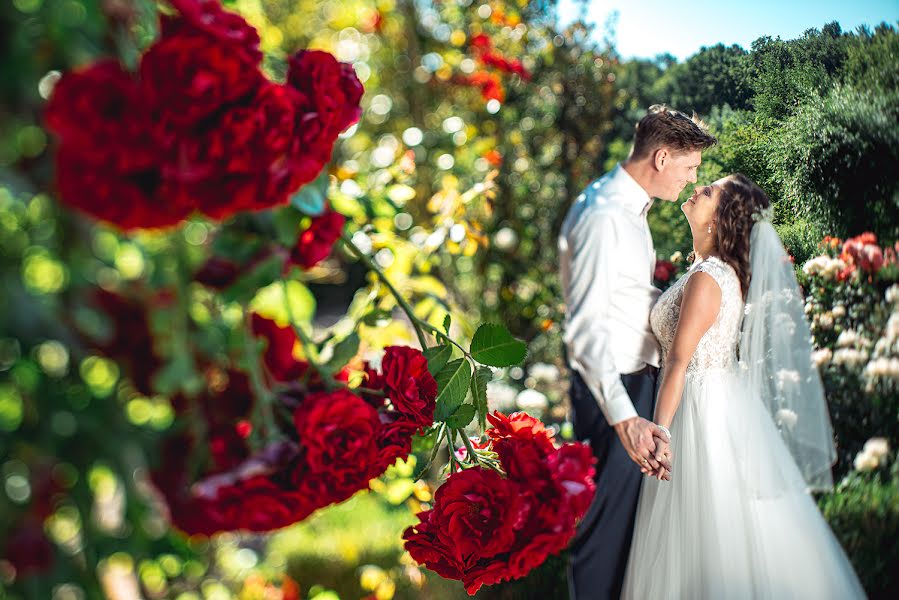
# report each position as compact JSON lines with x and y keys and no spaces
{"x":633,"y":196}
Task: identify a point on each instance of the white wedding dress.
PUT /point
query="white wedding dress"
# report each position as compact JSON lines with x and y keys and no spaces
{"x":734,"y":521}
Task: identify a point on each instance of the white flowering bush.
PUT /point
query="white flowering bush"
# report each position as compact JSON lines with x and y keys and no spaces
{"x":852,"y":301}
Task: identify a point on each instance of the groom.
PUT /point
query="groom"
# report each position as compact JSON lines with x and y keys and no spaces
{"x":607,"y":262}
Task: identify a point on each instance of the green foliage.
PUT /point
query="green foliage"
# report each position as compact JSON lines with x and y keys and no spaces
{"x":479,"y":393}
{"x":837,"y":159}
{"x":437,"y":357}
{"x":784,"y":73}
{"x":715,"y":76}
{"x":871,"y":59}
{"x":452,"y":386}
{"x":493,"y":345}
{"x":800,"y":238}
{"x":863,"y":511}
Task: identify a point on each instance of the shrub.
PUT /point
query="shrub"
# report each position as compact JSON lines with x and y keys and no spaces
{"x":837,"y":160}
{"x":863,"y":511}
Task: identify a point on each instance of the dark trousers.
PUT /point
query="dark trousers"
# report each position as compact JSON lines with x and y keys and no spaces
{"x":600,"y":548}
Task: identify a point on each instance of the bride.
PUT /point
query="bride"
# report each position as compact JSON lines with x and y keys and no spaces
{"x":750,"y":432}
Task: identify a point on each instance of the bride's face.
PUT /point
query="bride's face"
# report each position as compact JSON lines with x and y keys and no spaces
{"x":700,"y":207}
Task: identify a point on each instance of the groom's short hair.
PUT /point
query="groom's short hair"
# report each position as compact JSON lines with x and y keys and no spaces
{"x":664,"y":126}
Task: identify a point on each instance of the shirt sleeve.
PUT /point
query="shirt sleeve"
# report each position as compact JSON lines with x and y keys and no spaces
{"x":592,"y":244}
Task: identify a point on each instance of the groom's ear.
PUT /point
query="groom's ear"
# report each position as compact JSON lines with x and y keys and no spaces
{"x":660,"y":158}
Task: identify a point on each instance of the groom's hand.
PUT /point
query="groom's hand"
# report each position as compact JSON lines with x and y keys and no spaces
{"x":638,"y":437}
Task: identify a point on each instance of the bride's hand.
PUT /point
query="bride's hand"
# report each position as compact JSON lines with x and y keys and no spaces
{"x":637,"y":435}
{"x":662,"y":455}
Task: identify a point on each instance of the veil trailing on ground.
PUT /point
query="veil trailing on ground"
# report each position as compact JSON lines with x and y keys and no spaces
{"x":775,"y":354}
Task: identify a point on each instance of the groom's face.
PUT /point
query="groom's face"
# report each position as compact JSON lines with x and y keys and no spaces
{"x":676,"y":170}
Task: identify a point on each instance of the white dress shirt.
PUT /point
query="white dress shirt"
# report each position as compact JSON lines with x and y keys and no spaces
{"x":606,"y":265}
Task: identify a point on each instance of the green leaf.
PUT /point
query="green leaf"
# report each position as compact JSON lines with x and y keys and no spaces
{"x":493,"y":345}
{"x":235,"y":245}
{"x":344,"y":350}
{"x":461,"y":417}
{"x":437,"y":357}
{"x":479,"y":393}
{"x":270,"y":302}
{"x":311,"y":198}
{"x":373,"y":318}
{"x":446,"y":323}
{"x":286,"y":221}
{"x":248,"y":284}
{"x":452,"y":385}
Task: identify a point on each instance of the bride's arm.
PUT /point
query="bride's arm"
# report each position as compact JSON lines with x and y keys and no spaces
{"x":698,"y":311}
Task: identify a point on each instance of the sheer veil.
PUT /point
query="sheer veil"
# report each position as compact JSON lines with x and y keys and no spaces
{"x":775,"y":354}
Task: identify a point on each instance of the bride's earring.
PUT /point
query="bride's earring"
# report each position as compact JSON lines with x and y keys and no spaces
{"x":710,"y":228}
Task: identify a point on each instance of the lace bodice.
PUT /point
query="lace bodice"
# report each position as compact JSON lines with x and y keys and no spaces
{"x":717,"y":348}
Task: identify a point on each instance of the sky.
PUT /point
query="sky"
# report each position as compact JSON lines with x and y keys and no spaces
{"x":647,"y":28}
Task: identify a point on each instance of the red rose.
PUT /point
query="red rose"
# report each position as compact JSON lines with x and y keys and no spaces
{"x":333,"y":92}
{"x":521,"y":426}
{"x":475,"y":514}
{"x":480,"y":42}
{"x":209,"y":16}
{"x":572,"y":468}
{"x":425,"y":547}
{"x":395,"y":441}
{"x":228,"y":167}
{"x":217,"y":272}
{"x":128,"y":339}
{"x":409,"y":385}
{"x":530,"y":514}
{"x":523,"y":460}
{"x":258,"y":504}
{"x":315,"y":243}
{"x":128,"y":200}
{"x":28,"y":548}
{"x":278,"y":357}
{"x":102,"y":119}
{"x":190,"y":73}
{"x":339,"y":432}
{"x":373,"y":381}
{"x":863,"y":252}
{"x":664,"y":270}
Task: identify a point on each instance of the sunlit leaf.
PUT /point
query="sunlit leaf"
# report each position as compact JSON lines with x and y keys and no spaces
{"x":452,"y":386}
{"x":493,"y":345}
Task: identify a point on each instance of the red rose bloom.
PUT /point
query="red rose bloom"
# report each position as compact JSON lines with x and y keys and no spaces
{"x":101,"y":116}
{"x":520,"y":426}
{"x":476,"y":513}
{"x":28,"y":548}
{"x":190,"y":73}
{"x":664,"y":270}
{"x":278,"y":357}
{"x":209,"y":17}
{"x":572,"y":468}
{"x":128,"y":200}
{"x":338,"y":431}
{"x":409,"y":385}
{"x":333,"y":92}
{"x":228,"y":168}
{"x":316,"y":242}
{"x":863,"y":252}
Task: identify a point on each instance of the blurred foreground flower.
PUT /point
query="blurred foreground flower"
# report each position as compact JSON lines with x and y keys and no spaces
{"x":202,"y":130}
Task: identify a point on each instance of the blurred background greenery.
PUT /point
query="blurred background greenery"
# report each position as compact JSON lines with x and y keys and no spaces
{"x":458,"y":189}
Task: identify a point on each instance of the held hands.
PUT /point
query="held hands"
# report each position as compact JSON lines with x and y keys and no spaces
{"x":647,"y":445}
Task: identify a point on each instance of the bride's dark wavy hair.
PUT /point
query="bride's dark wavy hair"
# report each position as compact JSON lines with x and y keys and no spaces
{"x":740,"y":201}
